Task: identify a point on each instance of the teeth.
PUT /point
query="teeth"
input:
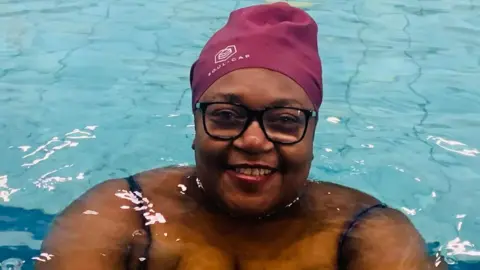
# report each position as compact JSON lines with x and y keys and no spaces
{"x":253,"y":171}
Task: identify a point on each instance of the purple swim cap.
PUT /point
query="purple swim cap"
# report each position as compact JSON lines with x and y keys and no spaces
{"x":276,"y":36}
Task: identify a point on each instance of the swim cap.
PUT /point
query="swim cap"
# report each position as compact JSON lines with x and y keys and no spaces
{"x":276,"y":36}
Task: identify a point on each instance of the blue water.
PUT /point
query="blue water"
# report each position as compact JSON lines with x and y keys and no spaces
{"x":91,"y":90}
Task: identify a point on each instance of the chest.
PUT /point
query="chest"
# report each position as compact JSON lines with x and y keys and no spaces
{"x":178,"y":247}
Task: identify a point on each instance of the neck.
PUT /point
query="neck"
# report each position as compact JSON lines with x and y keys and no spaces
{"x":290,"y":209}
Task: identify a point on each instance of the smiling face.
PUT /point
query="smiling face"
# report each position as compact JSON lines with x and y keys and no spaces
{"x":251,"y":175}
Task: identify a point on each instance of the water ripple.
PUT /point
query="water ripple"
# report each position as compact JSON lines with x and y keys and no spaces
{"x":396,"y":72}
{"x":45,"y":151}
{"x":454,"y":146}
{"x":48,"y":181}
{"x":464,"y":250}
{"x":5,"y":190}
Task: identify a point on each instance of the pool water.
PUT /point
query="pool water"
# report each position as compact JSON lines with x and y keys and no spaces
{"x":92,"y":90}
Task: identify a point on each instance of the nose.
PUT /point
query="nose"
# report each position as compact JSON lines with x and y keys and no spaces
{"x":253,"y":140}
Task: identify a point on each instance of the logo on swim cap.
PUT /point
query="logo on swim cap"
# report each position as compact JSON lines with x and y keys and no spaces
{"x":224,"y":54}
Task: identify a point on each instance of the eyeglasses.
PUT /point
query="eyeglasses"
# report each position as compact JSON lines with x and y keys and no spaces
{"x":227,"y":121}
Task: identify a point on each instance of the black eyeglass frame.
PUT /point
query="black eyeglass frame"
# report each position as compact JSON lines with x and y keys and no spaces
{"x":257,"y":115}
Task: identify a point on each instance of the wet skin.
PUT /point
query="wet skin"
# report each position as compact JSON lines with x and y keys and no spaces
{"x":232,"y":223}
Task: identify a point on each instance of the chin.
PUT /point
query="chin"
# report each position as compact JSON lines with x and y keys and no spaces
{"x":248,"y":207}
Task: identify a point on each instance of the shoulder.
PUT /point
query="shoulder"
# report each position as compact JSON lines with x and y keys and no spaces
{"x":382,"y":238}
{"x":102,"y":205}
{"x":114,"y":197}
{"x":165,"y":181}
{"x":336,"y":200}
{"x":170,"y":190}
{"x":354,"y":202}
{"x":100,"y":224}
{"x":112,"y":201}
{"x":100,"y":197}
{"x":95,"y":223}
{"x":381,"y":231}
{"x":389,"y":233}
{"x":348,"y":203}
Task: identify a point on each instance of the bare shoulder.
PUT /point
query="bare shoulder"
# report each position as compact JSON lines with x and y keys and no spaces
{"x":169,"y":189}
{"x":103,"y":203}
{"x":95,"y":227}
{"x":333,"y":200}
{"x":341,"y":198}
{"x":104,"y":199}
{"x":389,"y":233}
{"x":347,"y":203}
{"x":384,"y":238}
{"x":165,"y":178}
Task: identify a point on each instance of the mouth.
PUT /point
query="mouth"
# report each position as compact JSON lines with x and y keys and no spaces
{"x":253,"y":173}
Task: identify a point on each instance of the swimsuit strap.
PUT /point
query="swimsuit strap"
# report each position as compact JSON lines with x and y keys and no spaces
{"x":350,"y":225}
{"x":134,"y":188}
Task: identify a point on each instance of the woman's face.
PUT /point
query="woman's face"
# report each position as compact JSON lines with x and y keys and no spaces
{"x":251,"y":175}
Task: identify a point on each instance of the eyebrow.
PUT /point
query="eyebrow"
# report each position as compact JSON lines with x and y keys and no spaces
{"x":232,"y":98}
{"x":228,"y":98}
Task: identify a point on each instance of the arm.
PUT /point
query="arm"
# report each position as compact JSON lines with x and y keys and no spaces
{"x":80,"y":241}
{"x":386,"y":239}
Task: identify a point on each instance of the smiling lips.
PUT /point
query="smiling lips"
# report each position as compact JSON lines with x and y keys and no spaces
{"x":252,"y":174}
{"x":253,"y":171}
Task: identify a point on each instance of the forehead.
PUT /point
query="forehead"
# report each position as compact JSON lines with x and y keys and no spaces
{"x":257,"y":88}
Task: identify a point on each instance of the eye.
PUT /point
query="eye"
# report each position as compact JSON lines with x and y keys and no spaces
{"x":284,"y":119}
{"x":224,"y":114}
{"x":288,"y":119}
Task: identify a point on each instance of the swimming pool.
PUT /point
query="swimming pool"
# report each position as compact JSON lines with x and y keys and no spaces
{"x":92,"y":90}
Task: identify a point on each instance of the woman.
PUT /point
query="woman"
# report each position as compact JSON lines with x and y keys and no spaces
{"x":247,"y":203}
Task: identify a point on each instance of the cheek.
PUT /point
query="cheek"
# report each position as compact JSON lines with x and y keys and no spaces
{"x":202,"y":140}
{"x":299,"y":155}
{"x":296,"y":163}
{"x":209,"y":152}
{"x":297,"y":159}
